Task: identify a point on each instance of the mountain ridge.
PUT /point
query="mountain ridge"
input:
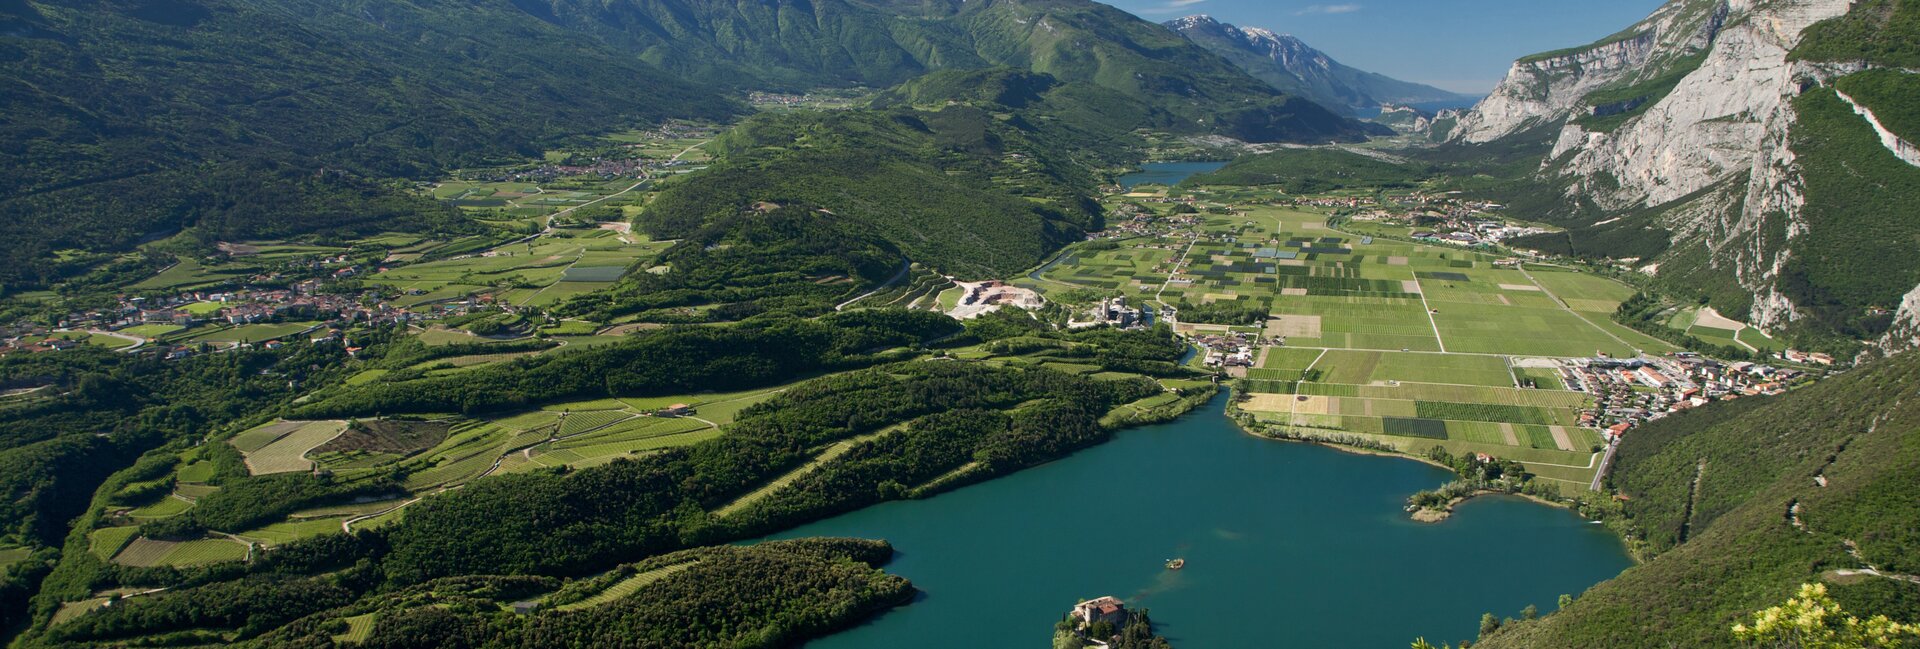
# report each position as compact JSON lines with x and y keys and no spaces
{"x":796,"y":45}
{"x":1293,"y":66}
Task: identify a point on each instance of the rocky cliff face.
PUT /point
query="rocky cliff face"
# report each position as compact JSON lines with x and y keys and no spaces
{"x":1549,"y":87}
{"x":1691,"y":115}
{"x":1706,"y":128}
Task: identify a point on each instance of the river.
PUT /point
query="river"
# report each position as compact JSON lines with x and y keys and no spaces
{"x":1287,"y":545}
{"x":1167,"y":173}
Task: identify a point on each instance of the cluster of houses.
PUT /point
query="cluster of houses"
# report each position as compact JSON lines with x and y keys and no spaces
{"x":1229,"y":350}
{"x":34,"y":339}
{"x":607,"y":168}
{"x":237,"y":307}
{"x":1630,"y":391}
{"x":1440,"y":219}
{"x":1469,"y":231}
{"x":304,"y":300}
{"x":783,"y":99}
{"x":1128,"y":221}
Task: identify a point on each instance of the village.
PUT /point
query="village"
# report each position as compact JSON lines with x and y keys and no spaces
{"x":1434,"y":219}
{"x":203,"y":321}
{"x":1631,"y":391}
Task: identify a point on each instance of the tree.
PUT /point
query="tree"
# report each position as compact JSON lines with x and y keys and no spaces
{"x":1811,"y":619}
{"x":1488,"y":624}
{"x":1530,"y":612}
{"x":1565,"y":600}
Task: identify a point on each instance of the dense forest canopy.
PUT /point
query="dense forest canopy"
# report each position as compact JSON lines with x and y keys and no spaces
{"x":290,"y":118}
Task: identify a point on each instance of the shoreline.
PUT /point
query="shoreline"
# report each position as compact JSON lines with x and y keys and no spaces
{"x":1420,"y":515}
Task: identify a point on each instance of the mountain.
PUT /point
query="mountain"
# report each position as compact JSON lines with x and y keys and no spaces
{"x":802,"y":44}
{"x":974,"y":174}
{"x":1287,"y":63}
{"x":130,"y":118}
{"x":1740,"y":502}
{"x":1757,"y":155}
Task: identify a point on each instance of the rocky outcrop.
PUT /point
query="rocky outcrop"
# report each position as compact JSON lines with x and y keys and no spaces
{"x":1900,"y":148}
{"x":1905,"y":333}
{"x":1405,"y":119}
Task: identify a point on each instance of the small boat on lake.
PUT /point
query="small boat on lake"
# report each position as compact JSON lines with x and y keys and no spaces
{"x":1176,"y":564}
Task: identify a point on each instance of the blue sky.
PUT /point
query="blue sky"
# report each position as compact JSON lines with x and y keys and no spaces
{"x":1459,"y":45}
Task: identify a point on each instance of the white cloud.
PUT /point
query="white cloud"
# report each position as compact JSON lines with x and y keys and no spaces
{"x":1328,"y":9}
{"x":1171,"y":6}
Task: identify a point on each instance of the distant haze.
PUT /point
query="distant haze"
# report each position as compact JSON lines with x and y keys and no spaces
{"x":1459,"y":45}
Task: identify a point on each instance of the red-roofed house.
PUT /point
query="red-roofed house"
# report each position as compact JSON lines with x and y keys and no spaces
{"x":1108,"y":609}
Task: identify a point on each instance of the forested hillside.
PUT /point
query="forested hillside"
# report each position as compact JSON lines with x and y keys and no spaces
{"x":1307,"y":171}
{"x":104,"y":411}
{"x":1742,"y":502}
{"x":243,"y":119}
{"x":295,"y":117}
{"x":845,"y":42}
{"x":976,"y":174}
{"x":617,"y":547}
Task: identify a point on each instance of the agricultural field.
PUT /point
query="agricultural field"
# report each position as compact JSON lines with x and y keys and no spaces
{"x":162,"y":508}
{"x":359,"y":628}
{"x":254,"y":333}
{"x":144,"y":552}
{"x":151,"y":331}
{"x":537,"y":272}
{"x":1408,"y":344}
{"x":288,"y":451}
{"x":190,"y":274}
{"x":279,"y":533}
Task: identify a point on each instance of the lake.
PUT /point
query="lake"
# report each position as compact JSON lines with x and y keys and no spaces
{"x":1167,"y":173}
{"x":1287,"y":545}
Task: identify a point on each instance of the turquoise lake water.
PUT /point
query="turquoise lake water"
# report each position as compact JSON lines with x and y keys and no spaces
{"x":1287,"y":545}
{"x":1167,"y":173}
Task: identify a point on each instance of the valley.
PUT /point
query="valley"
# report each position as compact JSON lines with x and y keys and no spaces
{"x":474,"y":323}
